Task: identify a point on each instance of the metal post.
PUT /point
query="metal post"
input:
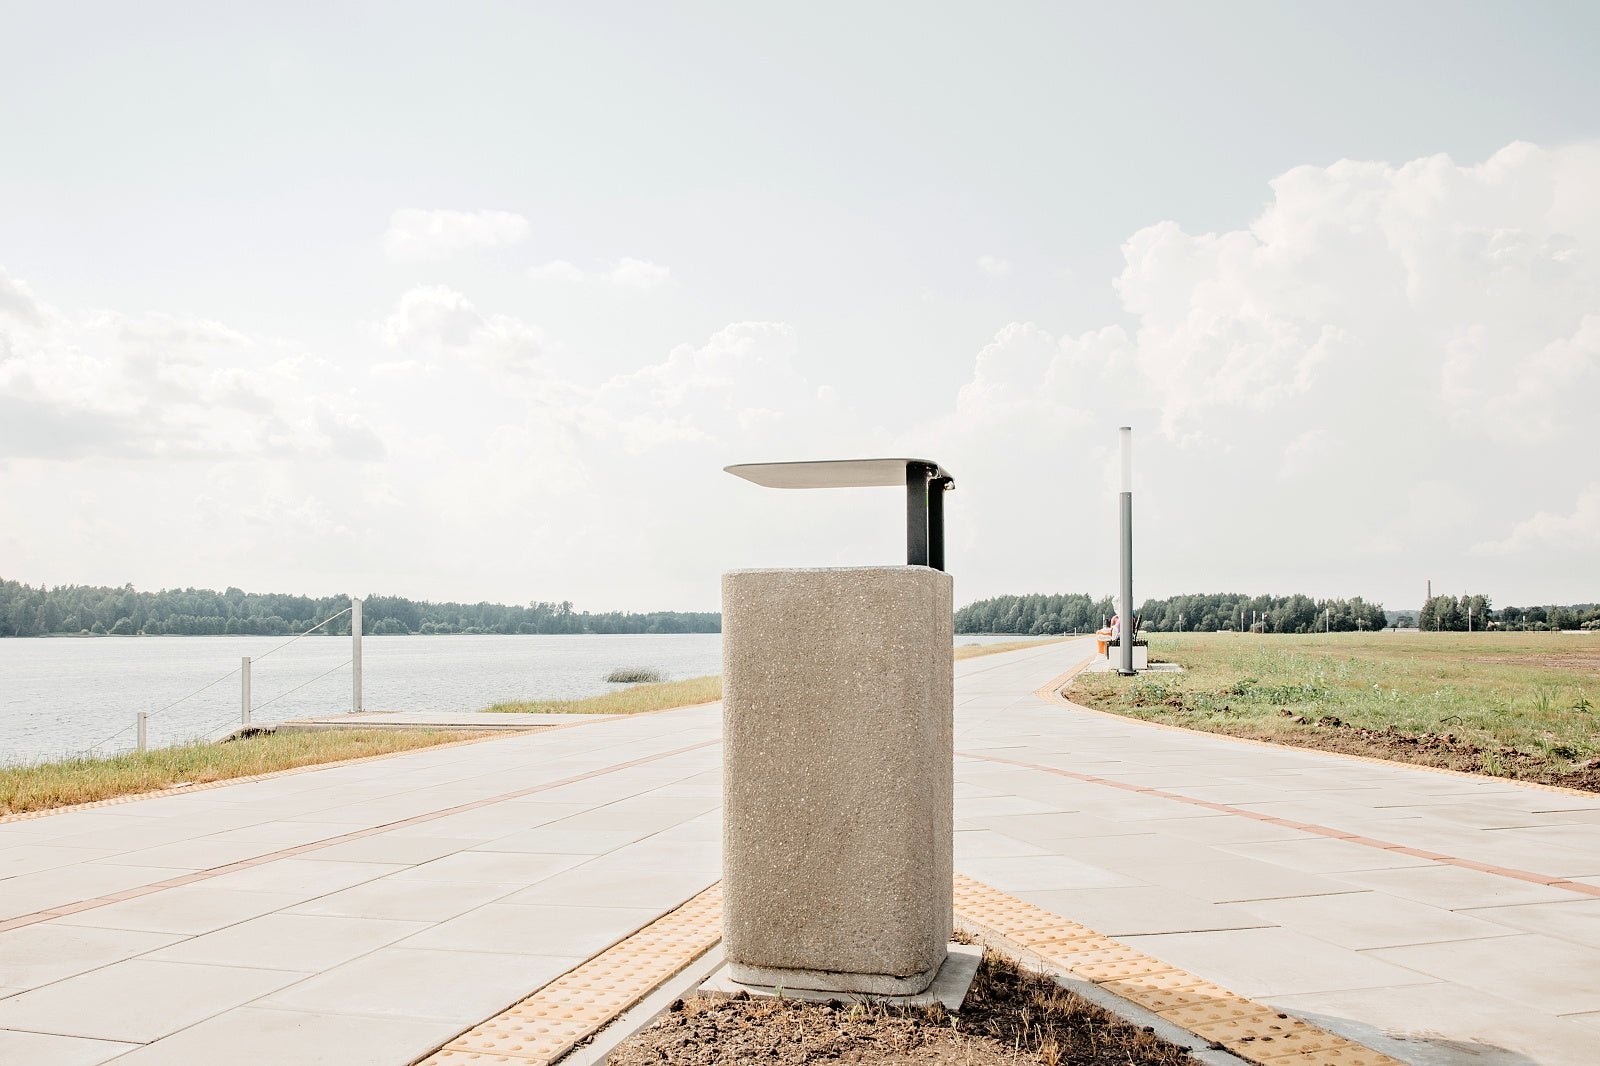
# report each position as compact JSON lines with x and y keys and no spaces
{"x":355,"y":655}
{"x":917,"y":476}
{"x":1127,"y":551}
{"x":141,"y":735}
{"x":244,"y":691}
{"x":936,"y":490}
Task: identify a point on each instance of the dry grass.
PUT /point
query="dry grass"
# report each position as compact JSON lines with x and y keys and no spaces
{"x":972,"y":651}
{"x":666,"y":695}
{"x":1521,"y":705}
{"x":44,"y":786}
{"x":635,"y":700}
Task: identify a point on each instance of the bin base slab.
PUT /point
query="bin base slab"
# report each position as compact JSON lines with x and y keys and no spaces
{"x":947,"y":983}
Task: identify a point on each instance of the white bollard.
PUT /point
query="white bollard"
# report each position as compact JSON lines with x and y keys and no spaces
{"x":140,"y":722}
{"x":244,"y":691}
{"x":355,"y":656}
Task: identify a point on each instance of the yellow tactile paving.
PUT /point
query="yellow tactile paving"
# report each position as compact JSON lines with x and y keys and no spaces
{"x":549,"y":1023}
{"x":1247,"y":1029}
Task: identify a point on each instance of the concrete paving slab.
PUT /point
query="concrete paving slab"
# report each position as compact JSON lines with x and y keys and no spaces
{"x":461,"y":987}
{"x":1537,"y":971}
{"x":137,"y":1001}
{"x":494,"y":867}
{"x":554,"y":840}
{"x":39,"y":954}
{"x":42,"y":1049}
{"x":253,"y":1036}
{"x":191,"y":909}
{"x":307,"y":943}
{"x":389,"y":849}
{"x":1443,"y":1024}
{"x":529,"y":929}
{"x":1576,"y":921}
{"x":193,"y":854}
{"x":1240,"y":880}
{"x":985,"y":843}
{"x":306,"y":877}
{"x":1273,"y":962}
{"x":615,"y":886}
{"x":1324,"y":855}
{"x":412,"y":901}
{"x":1035,"y":872}
{"x":1453,"y":888}
{"x":1130,"y":911}
{"x":1362,"y":920}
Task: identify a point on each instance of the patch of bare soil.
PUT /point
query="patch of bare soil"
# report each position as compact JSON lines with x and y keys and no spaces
{"x":1011,"y":1016}
{"x":1431,"y":749}
{"x":1588,"y":664}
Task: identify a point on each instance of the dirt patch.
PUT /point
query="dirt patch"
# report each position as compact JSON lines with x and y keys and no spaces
{"x":1428,"y":749}
{"x":1589,"y":664}
{"x":1011,"y":1016}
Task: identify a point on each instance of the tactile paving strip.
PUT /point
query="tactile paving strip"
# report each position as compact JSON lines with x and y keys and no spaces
{"x":582,"y":1001}
{"x":1247,"y":1029}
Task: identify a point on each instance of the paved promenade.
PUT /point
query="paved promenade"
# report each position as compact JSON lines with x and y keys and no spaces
{"x":369,"y":912}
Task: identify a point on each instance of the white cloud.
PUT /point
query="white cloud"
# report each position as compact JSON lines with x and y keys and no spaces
{"x":415,"y":235}
{"x":639,"y":274}
{"x":1577,"y":533}
{"x":154,"y":386}
{"x":433,"y":321}
{"x":18,"y":301}
{"x":1377,"y":333}
{"x":993,"y":267}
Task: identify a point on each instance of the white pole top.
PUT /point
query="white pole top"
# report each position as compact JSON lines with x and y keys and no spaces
{"x":1126,"y":432}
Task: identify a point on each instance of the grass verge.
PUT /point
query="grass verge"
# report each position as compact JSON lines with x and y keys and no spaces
{"x":972,"y":651}
{"x":1011,"y":1016}
{"x":1518,"y":705}
{"x":633,"y":700}
{"x":44,"y":786}
{"x":666,"y":695}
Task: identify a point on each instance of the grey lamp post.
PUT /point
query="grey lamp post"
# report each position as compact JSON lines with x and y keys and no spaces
{"x":1126,"y":667}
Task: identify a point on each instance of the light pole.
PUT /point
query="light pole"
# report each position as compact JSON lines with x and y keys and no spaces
{"x":1126,"y":609}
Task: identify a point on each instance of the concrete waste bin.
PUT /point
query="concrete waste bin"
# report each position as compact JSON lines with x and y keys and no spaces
{"x":837,"y":773}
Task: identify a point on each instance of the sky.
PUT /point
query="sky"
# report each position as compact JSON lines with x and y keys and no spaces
{"x":475,"y":301}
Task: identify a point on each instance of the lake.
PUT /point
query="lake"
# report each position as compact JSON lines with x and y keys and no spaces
{"x":59,"y":696}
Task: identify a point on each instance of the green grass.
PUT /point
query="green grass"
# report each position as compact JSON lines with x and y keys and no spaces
{"x":1517,"y":704}
{"x":43,"y":786}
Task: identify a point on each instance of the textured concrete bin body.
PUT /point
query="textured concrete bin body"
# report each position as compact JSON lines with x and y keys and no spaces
{"x":837,"y":714}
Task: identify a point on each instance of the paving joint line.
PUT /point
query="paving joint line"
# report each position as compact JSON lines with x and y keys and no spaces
{"x":301,"y":849}
{"x":1211,"y":1012}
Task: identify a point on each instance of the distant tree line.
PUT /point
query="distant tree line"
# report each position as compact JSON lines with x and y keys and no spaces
{"x":1037,"y":614}
{"x":26,"y":611}
{"x":1451,"y":613}
{"x":1077,"y":613}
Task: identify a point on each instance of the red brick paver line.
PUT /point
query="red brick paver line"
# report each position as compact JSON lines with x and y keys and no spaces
{"x":1304,"y":827}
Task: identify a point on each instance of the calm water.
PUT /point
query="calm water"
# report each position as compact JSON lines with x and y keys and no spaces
{"x":60,"y":696}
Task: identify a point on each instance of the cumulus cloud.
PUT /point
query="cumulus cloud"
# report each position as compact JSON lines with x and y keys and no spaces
{"x":1379,"y":339}
{"x":415,"y":235}
{"x":103,"y":384}
{"x":639,"y":274}
{"x":435,"y":321}
{"x":1547,"y":531}
{"x":993,"y":267}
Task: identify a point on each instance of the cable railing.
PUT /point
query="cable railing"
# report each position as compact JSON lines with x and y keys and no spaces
{"x":140,"y":723}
